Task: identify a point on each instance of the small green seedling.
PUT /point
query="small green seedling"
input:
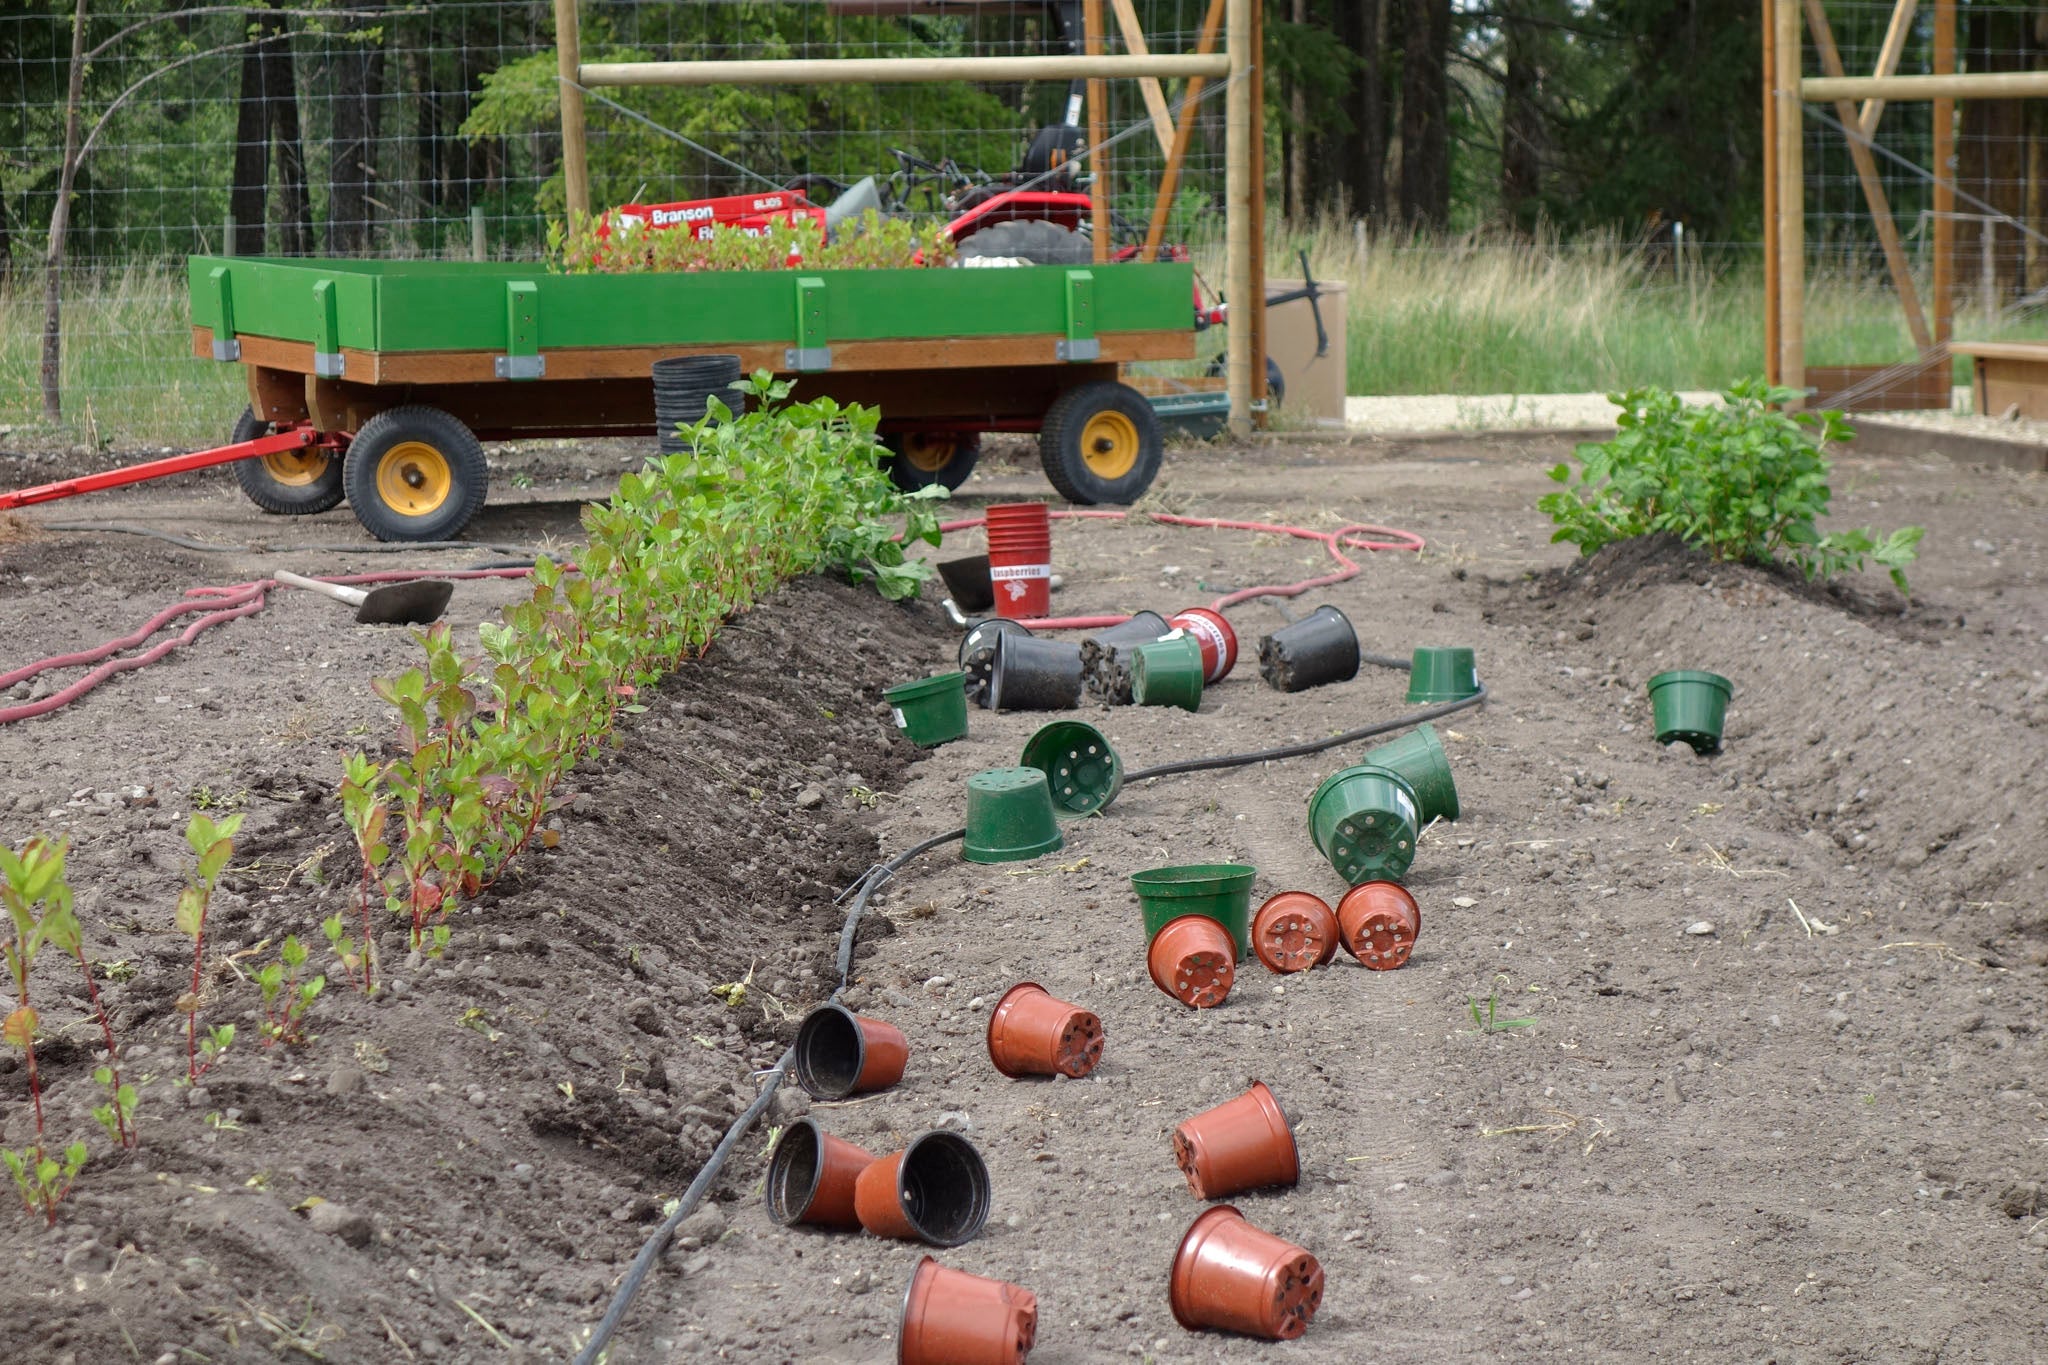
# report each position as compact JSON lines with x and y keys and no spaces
{"x":1487,"y":1018}
{"x":43,"y":1180}
{"x":286,"y":998}
{"x":214,"y":845}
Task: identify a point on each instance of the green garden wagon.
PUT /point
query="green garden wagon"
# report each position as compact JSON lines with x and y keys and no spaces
{"x":402,"y":368}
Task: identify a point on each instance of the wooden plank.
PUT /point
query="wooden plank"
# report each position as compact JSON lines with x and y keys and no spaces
{"x":1183,"y":133}
{"x":1148,"y":86}
{"x":1255,"y":315}
{"x":2036,"y":351}
{"x":1873,"y":188}
{"x":1791,"y":197}
{"x":1959,"y":85}
{"x":2009,"y":386}
{"x":1913,"y":443}
{"x":1098,"y":136}
{"x":1923,"y":388}
{"x":905,"y":70}
{"x":1944,"y":176}
{"x":568,"y":65}
{"x":1771,"y":300}
{"x":1887,"y":62}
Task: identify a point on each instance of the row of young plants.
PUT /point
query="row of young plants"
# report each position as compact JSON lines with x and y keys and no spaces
{"x":613,"y":244}
{"x":486,"y":739}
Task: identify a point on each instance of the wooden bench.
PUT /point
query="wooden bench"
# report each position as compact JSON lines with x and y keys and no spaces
{"x":2008,"y":377}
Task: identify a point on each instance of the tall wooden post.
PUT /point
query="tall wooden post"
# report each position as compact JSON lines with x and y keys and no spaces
{"x":1770,"y":83}
{"x":1944,"y":301}
{"x":1255,"y":313}
{"x":1785,"y":38}
{"x":569,"y":70}
{"x":1238,"y":228}
{"x":1098,"y":134}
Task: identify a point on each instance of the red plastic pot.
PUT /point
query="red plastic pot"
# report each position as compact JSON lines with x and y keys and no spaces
{"x":1237,"y":1278}
{"x":811,"y":1177}
{"x":1380,"y":922}
{"x":953,"y":1318}
{"x":1193,"y":960}
{"x":840,"y":1053}
{"x":1241,"y":1144}
{"x":1022,"y":580}
{"x":1294,"y":931}
{"x":1032,"y":1034}
{"x":1009,"y":515}
{"x":936,"y":1190}
{"x":1214,"y":635}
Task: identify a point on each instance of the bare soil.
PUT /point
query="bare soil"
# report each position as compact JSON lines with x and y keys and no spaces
{"x":1811,"y":1134}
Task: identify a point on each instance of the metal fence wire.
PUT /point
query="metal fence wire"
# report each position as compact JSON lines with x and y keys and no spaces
{"x":376,"y":127}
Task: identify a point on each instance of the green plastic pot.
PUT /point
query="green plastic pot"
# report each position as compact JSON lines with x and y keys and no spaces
{"x":930,"y":711}
{"x":1436,"y":675}
{"x":1690,"y":705}
{"x":1168,"y":672}
{"x":1364,"y":819}
{"x":1083,"y":772}
{"x":1010,"y":816}
{"x":1419,"y":757}
{"x":1218,"y":891}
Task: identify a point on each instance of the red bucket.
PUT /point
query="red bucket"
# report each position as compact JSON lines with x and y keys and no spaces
{"x":1020,"y":516}
{"x":1022,"y":580}
{"x":1214,"y":635}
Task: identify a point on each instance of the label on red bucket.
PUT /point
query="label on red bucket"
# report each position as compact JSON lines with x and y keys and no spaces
{"x":1000,"y":572}
{"x":1215,"y":651}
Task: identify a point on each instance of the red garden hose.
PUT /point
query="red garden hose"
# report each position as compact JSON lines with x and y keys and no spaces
{"x":1336,"y":542}
{"x":219,"y":605}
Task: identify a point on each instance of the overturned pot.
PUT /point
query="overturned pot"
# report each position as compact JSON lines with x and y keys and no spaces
{"x":1320,"y":648}
{"x":1106,"y":654}
{"x":811,"y":1175}
{"x":1031,"y":674}
{"x":1242,"y":1144}
{"x":953,"y":1318}
{"x":1030,"y":1033}
{"x":967,"y":583}
{"x":1364,"y":819}
{"x":1082,"y":770}
{"x":1193,"y":960}
{"x":840,"y":1053}
{"x":1294,"y":931}
{"x":935,"y":1190}
{"x":1380,"y":922}
{"x":1168,"y":673}
{"x":978,"y":654}
{"x":1234,"y":1277}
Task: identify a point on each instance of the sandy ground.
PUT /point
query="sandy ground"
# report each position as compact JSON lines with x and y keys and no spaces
{"x":1810,"y":1135}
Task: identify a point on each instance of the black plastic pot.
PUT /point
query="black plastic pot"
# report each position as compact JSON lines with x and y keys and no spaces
{"x":1319,"y":648}
{"x":1035,"y":675}
{"x":682,"y":387}
{"x":967,"y":583}
{"x":1106,"y":654}
{"x":978,"y":654}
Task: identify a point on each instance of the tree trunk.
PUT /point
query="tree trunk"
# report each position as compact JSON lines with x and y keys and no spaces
{"x":6,"y":233}
{"x":358,"y":78}
{"x":1361,"y":160}
{"x":1295,"y":139}
{"x":281,"y":94}
{"x":60,"y":224}
{"x":1425,"y":135}
{"x":1521,"y":122}
{"x":251,"y":191}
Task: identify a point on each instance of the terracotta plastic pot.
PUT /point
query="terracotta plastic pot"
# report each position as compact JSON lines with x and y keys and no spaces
{"x":935,"y":1190}
{"x":811,"y":1176}
{"x":1032,"y":1034}
{"x":1294,"y":931}
{"x":1241,"y":1144}
{"x":1420,"y":759}
{"x":1691,"y":705}
{"x":953,"y":1318}
{"x":1081,"y":769}
{"x":1214,"y":635}
{"x":1031,"y":674}
{"x":1168,"y":673}
{"x":1009,"y":817}
{"x":1221,"y":891}
{"x":978,"y":654}
{"x":967,"y":582}
{"x":1319,"y":648}
{"x":930,"y":711}
{"x":1364,"y":819}
{"x":840,"y":1053}
{"x":1193,"y":960}
{"x":1237,"y":1278}
{"x":1439,"y":675}
{"x":1380,"y":922}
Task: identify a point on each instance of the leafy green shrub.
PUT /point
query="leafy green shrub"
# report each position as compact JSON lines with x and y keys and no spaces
{"x":609,"y":244}
{"x":1744,"y":481}
{"x":688,"y":542}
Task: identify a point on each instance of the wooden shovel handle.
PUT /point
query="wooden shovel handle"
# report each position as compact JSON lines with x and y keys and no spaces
{"x":353,"y":596}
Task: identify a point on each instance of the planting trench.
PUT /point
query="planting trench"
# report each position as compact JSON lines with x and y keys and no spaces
{"x":1742,"y":1144}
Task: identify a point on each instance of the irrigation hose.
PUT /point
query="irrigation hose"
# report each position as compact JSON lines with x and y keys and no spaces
{"x":862,"y":889}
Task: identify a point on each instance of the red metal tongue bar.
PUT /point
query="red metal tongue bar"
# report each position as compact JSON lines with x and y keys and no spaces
{"x":296,"y":439}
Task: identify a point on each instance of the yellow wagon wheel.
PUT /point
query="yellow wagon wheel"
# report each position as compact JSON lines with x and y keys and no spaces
{"x":415,"y":473}
{"x":291,"y":483}
{"x":919,"y":459}
{"x":1101,"y":443}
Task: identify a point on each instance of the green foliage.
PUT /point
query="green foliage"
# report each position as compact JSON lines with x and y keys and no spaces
{"x":43,"y":1180}
{"x":212,"y":842}
{"x":687,"y":542}
{"x":1486,"y":1018}
{"x":286,"y":997}
{"x":1744,"y":481}
{"x":612,"y":245}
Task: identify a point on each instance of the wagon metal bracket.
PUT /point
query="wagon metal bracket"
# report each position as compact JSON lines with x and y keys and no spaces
{"x":329,"y":364}
{"x":805,"y":359}
{"x":520,"y":366}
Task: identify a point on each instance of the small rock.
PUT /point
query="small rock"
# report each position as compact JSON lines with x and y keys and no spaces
{"x":344,"y":1080}
{"x":1837,"y":1020}
{"x":697,"y":1264}
{"x":523,"y":1173}
{"x":478,"y":1098}
{"x":1970,"y":1022}
{"x":2021,"y":1199}
{"x":1700,"y":928}
{"x":340,"y":1222}
{"x":88,"y":1258}
{"x":1463,"y":902}
{"x":859,"y":1282}
{"x":787,"y":1105}
{"x":642,"y":1015}
{"x":198,"y":1097}
{"x":809,"y":798}
{"x":705,"y":1226}
{"x":955,"y":1120}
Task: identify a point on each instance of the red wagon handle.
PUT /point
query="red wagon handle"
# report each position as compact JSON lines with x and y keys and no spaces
{"x":298,"y":438}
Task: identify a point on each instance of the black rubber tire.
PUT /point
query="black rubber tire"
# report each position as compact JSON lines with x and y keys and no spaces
{"x":1276,"y":382}
{"x":1060,"y":449}
{"x":1031,"y":239}
{"x":910,"y":477}
{"x":468,"y":474}
{"x":261,"y":487}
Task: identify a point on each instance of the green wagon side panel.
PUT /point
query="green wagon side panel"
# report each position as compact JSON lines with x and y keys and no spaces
{"x":461,"y":306}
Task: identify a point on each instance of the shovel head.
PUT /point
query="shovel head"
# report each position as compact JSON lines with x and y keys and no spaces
{"x":406,"y":603}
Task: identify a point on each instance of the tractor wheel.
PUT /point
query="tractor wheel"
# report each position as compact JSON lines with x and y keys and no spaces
{"x":1030,"y":239}
{"x":1101,"y":443}
{"x":919,"y":459}
{"x":415,"y":473}
{"x":291,"y":483}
